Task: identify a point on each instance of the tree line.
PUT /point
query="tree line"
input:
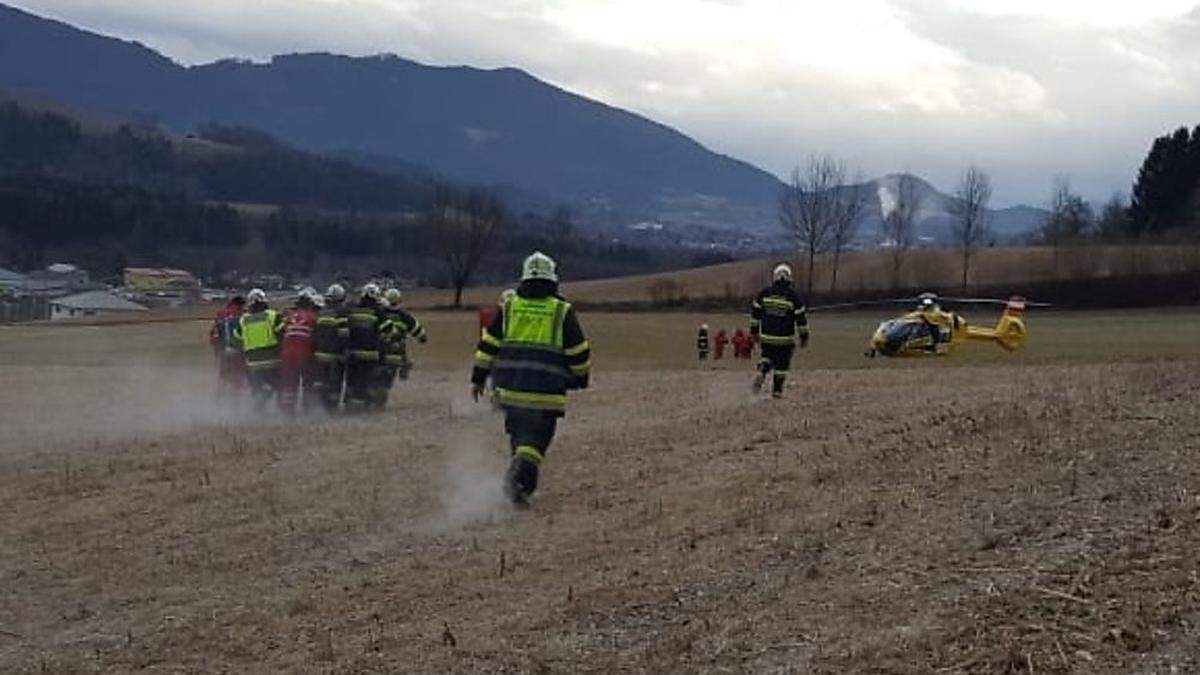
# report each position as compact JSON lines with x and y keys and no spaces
{"x":217,"y":163}
{"x":822,"y":208}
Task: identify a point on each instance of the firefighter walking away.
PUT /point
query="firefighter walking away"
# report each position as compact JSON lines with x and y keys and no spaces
{"x":259,"y":331}
{"x":777,"y":320}
{"x":402,"y":325}
{"x":330,"y":339}
{"x":534,"y":351}
{"x":369,"y":331}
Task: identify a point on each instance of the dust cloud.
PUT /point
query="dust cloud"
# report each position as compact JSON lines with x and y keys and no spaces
{"x":66,"y":406}
{"x":473,"y":464}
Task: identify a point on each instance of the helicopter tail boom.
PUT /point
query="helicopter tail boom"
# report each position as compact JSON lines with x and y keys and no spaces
{"x":1010,"y":331}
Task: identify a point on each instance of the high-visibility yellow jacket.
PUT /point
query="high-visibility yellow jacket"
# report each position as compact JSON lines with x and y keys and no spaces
{"x":259,"y":334}
{"x":534,"y":351}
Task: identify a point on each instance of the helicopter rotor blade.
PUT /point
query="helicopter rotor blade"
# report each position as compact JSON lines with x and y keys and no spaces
{"x":993,"y":301}
{"x":862,"y":303}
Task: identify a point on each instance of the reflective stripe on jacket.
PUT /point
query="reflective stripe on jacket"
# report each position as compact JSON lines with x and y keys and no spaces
{"x":778,"y":316}
{"x":534,"y":351}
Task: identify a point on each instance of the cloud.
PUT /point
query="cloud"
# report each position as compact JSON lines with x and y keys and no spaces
{"x":1026,"y":88}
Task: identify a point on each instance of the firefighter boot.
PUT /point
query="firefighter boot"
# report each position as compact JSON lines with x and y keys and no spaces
{"x":521,"y":479}
{"x":777,"y":385}
{"x":764,"y":367}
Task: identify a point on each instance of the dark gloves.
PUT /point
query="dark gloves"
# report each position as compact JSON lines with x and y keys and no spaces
{"x":476,"y":391}
{"x":580,"y":382}
{"x":804,"y":340}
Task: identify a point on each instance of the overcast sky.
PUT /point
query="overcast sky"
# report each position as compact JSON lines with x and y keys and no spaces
{"x":1026,"y":89}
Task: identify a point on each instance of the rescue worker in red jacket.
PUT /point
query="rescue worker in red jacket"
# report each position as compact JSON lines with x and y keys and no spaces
{"x":742,"y":346}
{"x":297,"y":367}
{"x":231,"y":367}
{"x":259,"y":330}
{"x":722,"y":341}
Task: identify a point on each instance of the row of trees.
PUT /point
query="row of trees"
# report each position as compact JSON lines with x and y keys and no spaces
{"x":823,"y":212}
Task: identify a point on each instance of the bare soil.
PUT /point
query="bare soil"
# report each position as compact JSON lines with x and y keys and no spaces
{"x":979,"y":514}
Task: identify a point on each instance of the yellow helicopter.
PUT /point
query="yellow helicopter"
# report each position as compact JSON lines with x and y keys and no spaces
{"x":929,"y":330}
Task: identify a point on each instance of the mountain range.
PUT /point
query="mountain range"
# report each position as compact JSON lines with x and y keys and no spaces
{"x":502,"y":128}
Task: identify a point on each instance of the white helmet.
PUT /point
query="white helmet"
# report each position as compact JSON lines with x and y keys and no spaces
{"x":335,"y":293}
{"x":927,"y":301}
{"x":506,"y":295}
{"x":256,"y":295}
{"x":393,"y":296}
{"x":318,"y":300}
{"x":371,"y":290}
{"x":782,"y":273}
{"x":539,"y":266}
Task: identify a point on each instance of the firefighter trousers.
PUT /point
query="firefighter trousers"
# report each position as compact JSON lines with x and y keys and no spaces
{"x":328,"y":378}
{"x":530,"y":433}
{"x":777,"y":358}
{"x":365,"y":383}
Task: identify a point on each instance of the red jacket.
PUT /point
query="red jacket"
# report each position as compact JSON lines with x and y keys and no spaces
{"x":220,"y":336}
{"x":298,"y":337}
{"x":487,"y":314}
{"x":722,"y":342}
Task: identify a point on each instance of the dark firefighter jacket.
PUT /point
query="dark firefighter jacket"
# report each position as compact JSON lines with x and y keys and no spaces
{"x":259,"y":331}
{"x":702,"y":340}
{"x":403,"y":325}
{"x":534,"y":350}
{"x":332,"y":334}
{"x":369,"y":331}
{"x":777,"y":315}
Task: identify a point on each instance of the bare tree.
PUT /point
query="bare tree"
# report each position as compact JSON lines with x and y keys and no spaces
{"x":1070,"y":216}
{"x":465,"y":226}
{"x":807,"y":207}
{"x":970,"y":226}
{"x":848,"y":211}
{"x":899,"y":222}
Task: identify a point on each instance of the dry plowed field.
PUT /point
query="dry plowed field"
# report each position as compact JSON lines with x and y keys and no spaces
{"x":986,"y":513}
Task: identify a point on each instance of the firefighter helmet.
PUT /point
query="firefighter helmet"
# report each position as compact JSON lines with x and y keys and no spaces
{"x":335,"y":293}
{"x":539,"y":266}
{"x":256,"y":296}
{"x":371,"y":290}
{"x":782,"y":273}
{"x":393,"y":296}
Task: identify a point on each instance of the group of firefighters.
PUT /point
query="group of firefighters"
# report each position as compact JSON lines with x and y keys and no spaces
{"x":324,"y":351}
{"x":532,"y":350}
{"x":743,"y":345}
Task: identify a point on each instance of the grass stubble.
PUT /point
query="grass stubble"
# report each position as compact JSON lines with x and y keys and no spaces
{"x":990,"y":513}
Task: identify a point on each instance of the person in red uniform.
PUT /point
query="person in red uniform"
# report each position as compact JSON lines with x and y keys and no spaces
{"x":231,"y":367}
{"x":742,"y":347}
{"x":296,"y":364}
{"x":721,"y":344}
